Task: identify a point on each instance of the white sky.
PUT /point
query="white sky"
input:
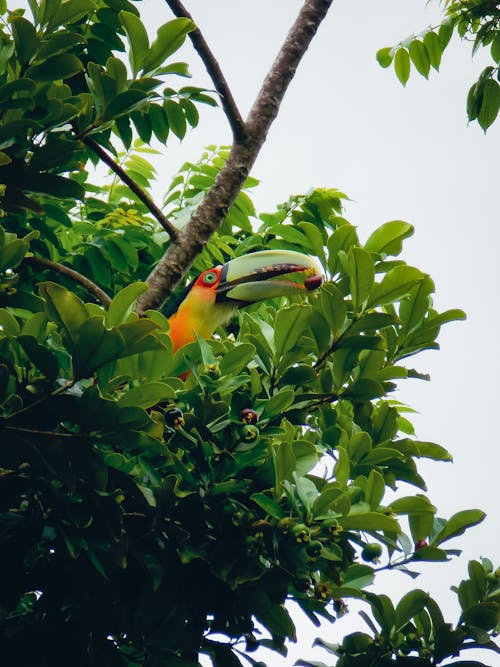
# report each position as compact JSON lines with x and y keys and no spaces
{"x":399,"y":154}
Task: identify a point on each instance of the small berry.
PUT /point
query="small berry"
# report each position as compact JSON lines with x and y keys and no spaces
{"x":420,"y":544}
{"x":249,"y":416}
{"x":371,"y":552}
{"x":174,"y":417}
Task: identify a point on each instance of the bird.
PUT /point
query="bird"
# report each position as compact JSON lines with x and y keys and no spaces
{"x":212,"y":298}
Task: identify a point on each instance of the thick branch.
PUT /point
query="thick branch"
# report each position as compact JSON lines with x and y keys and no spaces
{"x":222,"y":194}
{"x":215,"y":73}
{"x":91,"y":287}
{"x":129,"y":182}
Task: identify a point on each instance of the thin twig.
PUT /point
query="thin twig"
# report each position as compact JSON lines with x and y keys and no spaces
{"x":91,"y":287}
{"x":214,"y":71}
{"x":36,"y":431}
{"x":56,"y":392}
{"x":215,"y":205}
{"x":134,"y":187}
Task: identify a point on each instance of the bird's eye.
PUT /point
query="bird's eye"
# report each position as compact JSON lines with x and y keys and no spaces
{"x":209,"y":278}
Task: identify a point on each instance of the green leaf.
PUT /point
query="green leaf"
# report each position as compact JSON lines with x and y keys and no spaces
{"x":369,"y":521}
{"x":434,"y":49}
{"x":388,"y":238}
{"x":342,"y":469}
{"x":176,"y":118}
{"x":375,"y":489}
{"x":420,"y":57}
{"x":68,"y":12}
{"x":124,"y":103}
{"x":395,"y":285}
{"x":291,"y":324}
{"x":269,"y":505}
{"x":123,"y":303}
{"x":412,"y":505}
{"x":485,"y":615}
{"x":333,"y":308}
{"x":12,"y":254}
{"x":61,"y":66}
{"x":236,"y":359}
{"x":278,"y":403}
{"x":490,"y":103}
{"x":444,"y":34}
{"x":25,"y":38}
{"x":409,"y":606}
{"x":43,"y":358}
{"x":170,"y":37}
{"x":343,"y":238}
{"x":137,"y":39}
{"x":56,"y":186}
{"x":458,"y":524}
{"x":147,"y":395}
{"x":361,"y":271}
{"x":64,"y":308}
{"x":402,"y":65}
{"x":8,"y":323}
{"x":385,"y":56}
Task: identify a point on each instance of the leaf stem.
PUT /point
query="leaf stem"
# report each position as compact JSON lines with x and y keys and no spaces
{"x":90,"y":286}
{"x":134,"y":187}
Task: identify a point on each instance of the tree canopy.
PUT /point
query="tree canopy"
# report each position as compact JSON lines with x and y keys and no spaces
{"x":158,"y":505}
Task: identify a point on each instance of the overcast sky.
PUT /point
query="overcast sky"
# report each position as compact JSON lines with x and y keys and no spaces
{"x":399,"y":154}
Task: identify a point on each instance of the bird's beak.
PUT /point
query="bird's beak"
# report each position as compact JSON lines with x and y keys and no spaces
{"x":252,"y":277}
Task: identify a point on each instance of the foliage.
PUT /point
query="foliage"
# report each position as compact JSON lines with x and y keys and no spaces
{"x":473,"y":20}
{"x":416,"y":625}
{"x":151,"y":502}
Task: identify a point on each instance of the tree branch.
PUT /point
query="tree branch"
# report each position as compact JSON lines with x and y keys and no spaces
{"x":242,"y":156}
{"x":129,"y":182}
{"x":91,"y":287}
{"x":215,"y":73}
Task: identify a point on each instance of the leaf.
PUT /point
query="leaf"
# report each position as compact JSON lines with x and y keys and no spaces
{"x":333,"y":308}
{"x":385,"y":56}
{"x":388,"y":238}
{"x":137,"y":39}
{"x":123,"y":302}
{"x":56,"y":186}
{"x":434,"y":49}
{"x":64,"y":308}
{"x":361,"y":271}
{"x":375,"y":489}
{"x":147,"y":395}
{"x":236,"y":359}
{"x":170,"y":37}
{"x":395,"y":285}
{"x":369,"y":521}
{"x":25,"y":38}
{"x":412,"y":505}
{"x":402,"y":65}
{"x":343,"y":238}
{"x":490,"y":103}
{"x":291,"y":324}
{"x":43,"y":358}
{"x":61,"y":66}
{"x":269,"y":505}
{"x":458,"y":524}
{"x":278,"y":403}
{"x":420,"y":57}
{"x":176,"y":118}
{"x":409,"y":606}
{"x":8,"y":323}
{"x":444,"y":34}
{"x":124,"y":103}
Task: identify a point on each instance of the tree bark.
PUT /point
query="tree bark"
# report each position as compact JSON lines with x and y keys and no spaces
{"x":214,"y":207}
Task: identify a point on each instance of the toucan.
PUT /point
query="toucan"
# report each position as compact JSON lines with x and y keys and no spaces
{"x":212,"y":298}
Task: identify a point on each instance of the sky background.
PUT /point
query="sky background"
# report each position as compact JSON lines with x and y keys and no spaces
{"x":399,"y":153}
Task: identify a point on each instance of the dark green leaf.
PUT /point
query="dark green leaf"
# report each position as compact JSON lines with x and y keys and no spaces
{"x":490,"y":103}
{"x":61,"y":66}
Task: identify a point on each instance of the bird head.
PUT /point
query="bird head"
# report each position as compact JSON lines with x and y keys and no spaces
{"x":214,"y":296}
